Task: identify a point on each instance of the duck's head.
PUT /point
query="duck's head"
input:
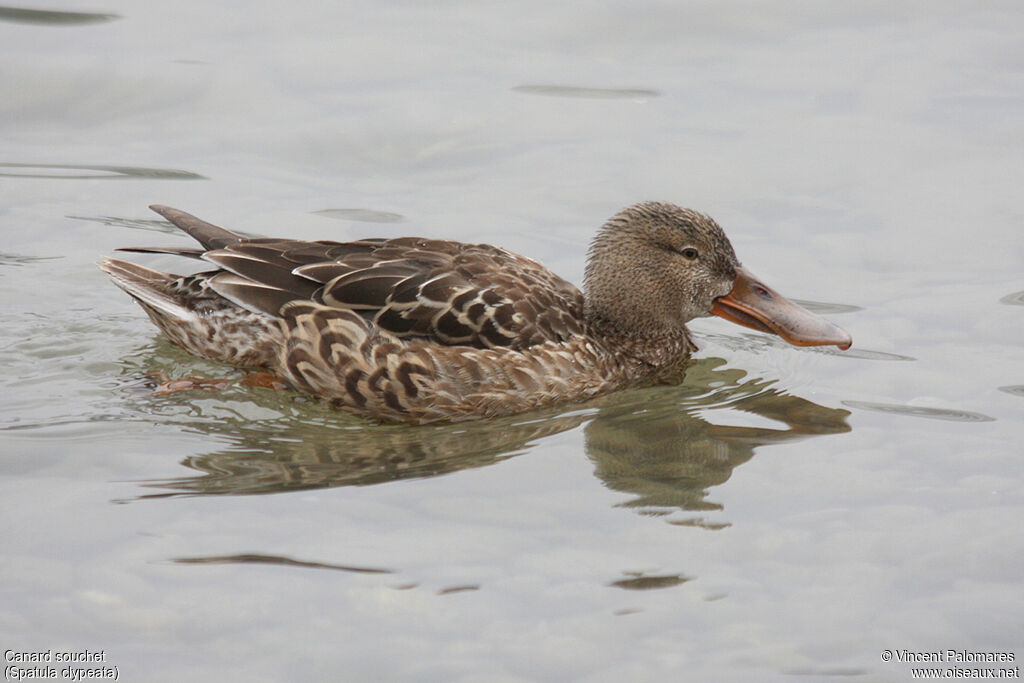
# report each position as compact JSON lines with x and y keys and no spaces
{"x":655,"y":266}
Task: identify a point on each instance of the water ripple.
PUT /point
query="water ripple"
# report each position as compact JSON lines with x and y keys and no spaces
{"x":155,"y":224}
{"x":828,"y":308}
{"x":743,"y":341}
{"x":1015,"y":299}
{"x":20,"y":15}
{"x":864,"y":354}
{"x":920,"y":411}
{"x":100,"y":172}
{"x":588,"y":93}
{"x":255,"y":558}
{"x":459,"y":589}
{"x":7,"y":259}
{"x":640,"y":582}
{"x":364,"y":215}
{"x":1015,"y":389}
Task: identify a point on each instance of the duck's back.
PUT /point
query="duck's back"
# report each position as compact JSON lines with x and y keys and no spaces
{"x":446,"y":292}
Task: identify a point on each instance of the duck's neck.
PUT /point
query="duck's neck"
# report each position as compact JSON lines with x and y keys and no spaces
{"x":630,"y":300}
{"x":650,"y":347}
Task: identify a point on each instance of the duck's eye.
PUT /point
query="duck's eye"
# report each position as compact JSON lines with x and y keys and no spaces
{"x":689,"y":253}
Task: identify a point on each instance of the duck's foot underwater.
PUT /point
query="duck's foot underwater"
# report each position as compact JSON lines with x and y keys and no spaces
{"x":162,"y":384}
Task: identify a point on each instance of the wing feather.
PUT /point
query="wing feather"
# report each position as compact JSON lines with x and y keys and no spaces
{"x":257,"y":297}
{"x":449,"y":292}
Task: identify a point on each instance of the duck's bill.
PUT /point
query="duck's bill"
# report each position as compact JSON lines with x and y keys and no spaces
{"x":753,"y":304}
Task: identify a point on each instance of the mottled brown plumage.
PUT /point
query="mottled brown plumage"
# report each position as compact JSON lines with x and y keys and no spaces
{"x":422,"y":330}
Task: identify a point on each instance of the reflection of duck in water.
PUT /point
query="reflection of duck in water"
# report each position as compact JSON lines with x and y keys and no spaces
{"x":655,"y":446}
{"x":650,"y":442}
{"x":419,"y":330}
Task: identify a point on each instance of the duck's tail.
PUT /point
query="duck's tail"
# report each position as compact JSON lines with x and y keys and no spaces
{"x":195,"y":317}
{"x":207,"y":234}
{"x":153,"y":289}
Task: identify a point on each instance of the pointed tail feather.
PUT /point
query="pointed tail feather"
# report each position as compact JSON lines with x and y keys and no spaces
{"x":191,"y":252}
{"x":207,"y":234}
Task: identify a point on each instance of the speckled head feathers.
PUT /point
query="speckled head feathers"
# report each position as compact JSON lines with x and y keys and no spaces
{"x":654,"y":266}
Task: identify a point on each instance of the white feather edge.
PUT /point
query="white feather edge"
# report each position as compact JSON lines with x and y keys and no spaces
{"x":139,"y":282}
{"x":222,"y":282}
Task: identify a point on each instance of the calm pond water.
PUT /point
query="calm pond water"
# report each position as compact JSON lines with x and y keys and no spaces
{"x":783,"y":513}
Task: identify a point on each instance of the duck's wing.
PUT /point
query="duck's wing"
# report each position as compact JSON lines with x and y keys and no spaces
{"x":448,"y":292}
{"x":453,"y":293}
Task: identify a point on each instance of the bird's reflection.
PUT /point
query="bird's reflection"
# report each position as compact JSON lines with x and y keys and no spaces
{"x":652,"y":443}
{"x":656,"y":447}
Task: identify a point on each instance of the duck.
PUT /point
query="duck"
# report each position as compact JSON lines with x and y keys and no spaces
{"x":421,"y":330}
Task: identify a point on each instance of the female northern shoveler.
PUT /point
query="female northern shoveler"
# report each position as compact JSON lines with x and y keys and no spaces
{"x":419,"y":330}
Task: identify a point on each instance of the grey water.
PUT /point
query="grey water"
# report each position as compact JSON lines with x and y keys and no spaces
{"x":783,"y":513}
